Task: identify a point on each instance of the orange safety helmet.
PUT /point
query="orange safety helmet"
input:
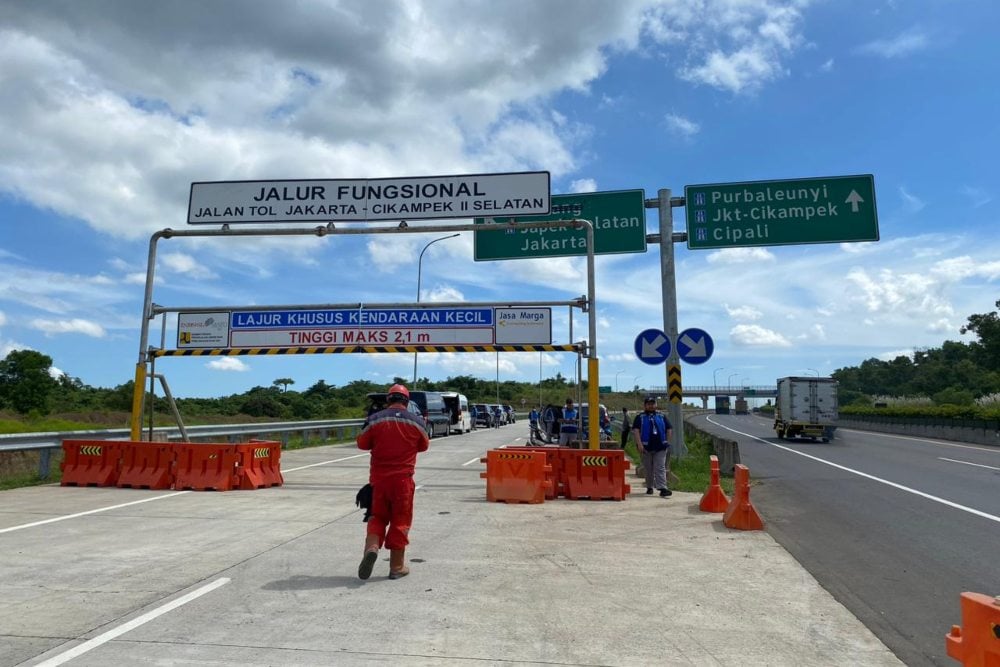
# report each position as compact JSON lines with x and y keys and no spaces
{"x":398,"y":394}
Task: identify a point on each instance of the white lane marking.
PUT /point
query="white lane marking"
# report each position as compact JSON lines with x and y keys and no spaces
{"x":995,"y":450}
{"x":475,"y":460}
{"x":323,"y":463}
{"x":79,"y":514}
{"x":418,"y":487}
{"x":91,"y":644}
{"x":908,"y":489}
{"x":968,"y":463}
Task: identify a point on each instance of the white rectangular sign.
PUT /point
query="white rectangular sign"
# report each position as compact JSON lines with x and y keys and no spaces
{"x":336,"y":200}
{"x":202,"y":330}
{"x":360,"y":336}
{"x":524,"y":326}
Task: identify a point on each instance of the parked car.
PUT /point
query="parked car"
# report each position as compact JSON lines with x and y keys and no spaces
{"x":434,"y":410}
{"x":484,"y":415}
{"x":509,"y":412}
{"x":458,"y":408}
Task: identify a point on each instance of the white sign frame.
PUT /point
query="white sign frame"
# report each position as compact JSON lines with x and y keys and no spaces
{"x":362,"y":200}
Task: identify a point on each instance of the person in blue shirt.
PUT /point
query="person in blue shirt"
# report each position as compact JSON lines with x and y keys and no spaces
{"x":473,"y":416}
{"x":568,"y":426}
{"x":651,"y":431}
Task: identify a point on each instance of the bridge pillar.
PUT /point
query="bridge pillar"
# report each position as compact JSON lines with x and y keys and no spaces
{"x":704,"y":401}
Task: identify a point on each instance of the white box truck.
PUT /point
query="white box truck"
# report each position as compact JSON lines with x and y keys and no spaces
{"x":806,"y":407}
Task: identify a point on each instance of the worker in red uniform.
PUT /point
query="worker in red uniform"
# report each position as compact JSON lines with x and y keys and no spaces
{"x":394,"y":436}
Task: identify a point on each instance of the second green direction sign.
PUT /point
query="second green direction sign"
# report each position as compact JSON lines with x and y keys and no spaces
{"x":761,"y":213}
{"x":619,"y":220}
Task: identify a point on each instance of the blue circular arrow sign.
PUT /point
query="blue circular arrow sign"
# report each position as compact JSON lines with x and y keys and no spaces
{"x":695,"y":346}
{"x":652,"y":347}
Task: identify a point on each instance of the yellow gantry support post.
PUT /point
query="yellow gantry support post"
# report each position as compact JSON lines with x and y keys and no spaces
{"x":135,"y":423}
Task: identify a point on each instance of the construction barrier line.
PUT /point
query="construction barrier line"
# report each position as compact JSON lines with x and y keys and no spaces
{"x":90,"y":463}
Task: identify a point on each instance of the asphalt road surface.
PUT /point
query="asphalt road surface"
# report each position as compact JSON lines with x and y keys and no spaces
{"x":895,"y":527}
{"x":103,"y":576}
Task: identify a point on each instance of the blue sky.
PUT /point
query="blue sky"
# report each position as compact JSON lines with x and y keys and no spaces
{"x":112,"y":109}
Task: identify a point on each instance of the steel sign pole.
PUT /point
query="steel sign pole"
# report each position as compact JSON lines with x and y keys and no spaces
{"x":675,"y":411}
{"x":420,"y":261}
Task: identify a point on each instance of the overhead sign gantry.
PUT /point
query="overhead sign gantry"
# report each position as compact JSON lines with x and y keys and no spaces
{"x":364,"y":328}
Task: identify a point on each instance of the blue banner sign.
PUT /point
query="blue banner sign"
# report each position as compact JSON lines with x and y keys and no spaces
{"x":437,"y":318}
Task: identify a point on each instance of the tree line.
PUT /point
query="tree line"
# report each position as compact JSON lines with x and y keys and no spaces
{"x":28,"y":387}
{"x":953,"y":374}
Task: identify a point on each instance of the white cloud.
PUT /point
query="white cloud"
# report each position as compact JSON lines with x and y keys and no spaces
{"x":55,"y":373}
{"x":3,"y":318}
{"x":903,"y":44}
{"x":827,"y":66}
{"x":227,"y":364}
{"x":743,"y":312}
{"x":960,"y":268}
{"x":746,"y":43}
{"x":583,"y":185}
{"x":977,"y":196}
{"x":889,"y":356}
{"x":682,"y":126}
{"x":186,"y":265}
{"x":740,"y":256}
{"x":137,"y":279}
{"x":912,"y":202}
{"x":76,"y":325}
{"x":753,"y":335}
{"x":941,"y":326}
{"x":890,"y":291}
{"x":442,"y":293}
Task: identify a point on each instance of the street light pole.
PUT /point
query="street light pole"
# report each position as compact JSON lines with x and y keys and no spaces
{"x":420,"y":262}
{"x":814,"y":371}
{"x":616,"y":380}
{"x":729,"y":381}
{"x":715,"y":383}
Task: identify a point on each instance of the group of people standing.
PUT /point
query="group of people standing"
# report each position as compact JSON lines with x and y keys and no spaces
{"x":395,"y":436}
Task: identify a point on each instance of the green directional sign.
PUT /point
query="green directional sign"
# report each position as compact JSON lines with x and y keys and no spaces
{"x":619,"y":219}
{"x":604,"y":389}
{"x":760,"y":213}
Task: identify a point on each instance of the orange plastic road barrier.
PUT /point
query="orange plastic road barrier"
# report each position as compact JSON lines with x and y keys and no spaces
{"x":977,"y":641}
{"x":598,"y":476}
{"x":90,"y":462}
{"x":147,"y":465}
{"x":741,"y":514}
{"x":259,"y":464}
{"x":204,"y":467}
{"x":715,"y":499}
{"x":553,"y":459}
{"x":516,"y":476}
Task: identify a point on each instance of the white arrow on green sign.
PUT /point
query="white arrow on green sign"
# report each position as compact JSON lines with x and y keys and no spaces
{"x":835,"y":209}
{"x":619,"y":219}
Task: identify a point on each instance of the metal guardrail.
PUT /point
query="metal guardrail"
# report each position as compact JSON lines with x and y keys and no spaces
{"x":48,"y":441}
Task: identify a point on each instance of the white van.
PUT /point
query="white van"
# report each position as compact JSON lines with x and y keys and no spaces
{"x":458,"y":406}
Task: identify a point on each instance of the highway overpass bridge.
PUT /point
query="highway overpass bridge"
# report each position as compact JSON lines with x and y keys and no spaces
{"x":709,"y":391}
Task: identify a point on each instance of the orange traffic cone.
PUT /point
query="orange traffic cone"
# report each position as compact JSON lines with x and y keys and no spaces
{"x":715,"y":499}
{"x":741,"y":514}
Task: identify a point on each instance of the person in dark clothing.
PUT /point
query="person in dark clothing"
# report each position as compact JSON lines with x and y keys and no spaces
{"x":625,"y":427}
{"x":652,"y":432}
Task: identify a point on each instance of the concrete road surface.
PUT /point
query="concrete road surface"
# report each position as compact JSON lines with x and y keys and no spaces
{"x":895,"y":527}
{"x":93,"y":576}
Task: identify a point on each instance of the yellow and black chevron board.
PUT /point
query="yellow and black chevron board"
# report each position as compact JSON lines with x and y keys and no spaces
{"x":675,"y":393}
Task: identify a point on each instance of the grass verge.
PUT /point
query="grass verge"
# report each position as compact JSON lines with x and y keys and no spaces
{"x":693,"y":472}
